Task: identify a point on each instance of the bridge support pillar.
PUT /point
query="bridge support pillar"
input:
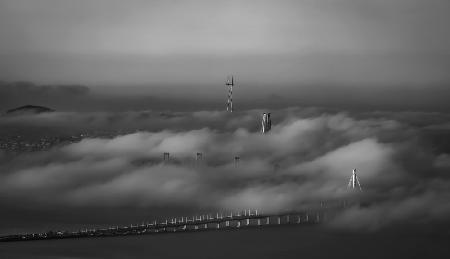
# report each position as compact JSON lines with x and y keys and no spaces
{"x":238,"y":224}
{"x":247,"y":222}
{"x":268,"y":221}
{"x":259,"y":222}
{"x":287,"y":219}
{"x":227,"y":223}
{"x":278,"y":220}
{"x":298,"y":219}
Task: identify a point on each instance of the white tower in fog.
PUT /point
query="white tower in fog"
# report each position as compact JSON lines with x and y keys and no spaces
{"x":230,"y":84}
{"x":266,"y":123}
{"x":354,"y":182}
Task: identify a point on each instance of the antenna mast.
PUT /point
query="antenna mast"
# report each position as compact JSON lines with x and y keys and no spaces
{"x":230,"y":84}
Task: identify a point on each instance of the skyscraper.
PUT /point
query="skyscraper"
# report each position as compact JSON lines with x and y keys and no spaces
{"x":266,"y":123}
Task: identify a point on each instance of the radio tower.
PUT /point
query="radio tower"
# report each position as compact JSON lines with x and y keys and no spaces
{"x":230,"y":84}
{"x":354,"y":182}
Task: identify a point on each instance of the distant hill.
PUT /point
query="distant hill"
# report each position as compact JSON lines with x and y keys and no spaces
{"x":29,"y":109}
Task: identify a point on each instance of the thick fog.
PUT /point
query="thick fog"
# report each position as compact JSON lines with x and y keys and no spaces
{"x":402,"y":160}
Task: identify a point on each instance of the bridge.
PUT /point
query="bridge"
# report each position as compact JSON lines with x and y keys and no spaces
{"x":207,"y":222}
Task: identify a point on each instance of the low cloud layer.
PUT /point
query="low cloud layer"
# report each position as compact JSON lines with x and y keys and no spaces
{"x":306,"y":158}
{"x":248,"y":95}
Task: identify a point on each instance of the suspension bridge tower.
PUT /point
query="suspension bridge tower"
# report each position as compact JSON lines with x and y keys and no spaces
{"x":354,"y":182}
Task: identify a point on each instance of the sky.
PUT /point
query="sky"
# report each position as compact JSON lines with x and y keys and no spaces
{"x":319,"y":50}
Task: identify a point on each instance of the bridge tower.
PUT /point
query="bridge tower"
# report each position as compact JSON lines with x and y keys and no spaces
{"x":354,"y":182}
{"x":199,"y":159}
{"x":230,"y":84}
{"x":236,"y":161}
{"x":166,"y":157}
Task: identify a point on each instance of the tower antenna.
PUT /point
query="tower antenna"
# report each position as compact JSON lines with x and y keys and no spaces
{"x":230,"y":84}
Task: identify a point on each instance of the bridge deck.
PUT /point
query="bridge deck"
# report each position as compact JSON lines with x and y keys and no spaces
{"x":184,"y":224}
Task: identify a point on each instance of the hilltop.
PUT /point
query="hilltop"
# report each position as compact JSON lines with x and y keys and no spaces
{"x":29,"y":109}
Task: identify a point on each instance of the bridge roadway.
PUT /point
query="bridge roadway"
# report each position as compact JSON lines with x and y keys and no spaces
{"x":230,"y":221}
{"x":184,"y":224}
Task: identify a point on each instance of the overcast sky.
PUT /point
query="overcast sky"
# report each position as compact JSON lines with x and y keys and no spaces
{"x":274,"y":47}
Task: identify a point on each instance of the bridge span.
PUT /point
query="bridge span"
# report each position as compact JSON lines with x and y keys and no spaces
{"x":207,"y":222}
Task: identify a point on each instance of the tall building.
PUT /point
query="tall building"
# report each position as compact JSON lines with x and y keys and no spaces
{"x":266,"y":123}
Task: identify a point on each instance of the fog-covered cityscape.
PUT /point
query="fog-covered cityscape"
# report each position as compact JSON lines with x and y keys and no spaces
{"x":224,"y":129}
